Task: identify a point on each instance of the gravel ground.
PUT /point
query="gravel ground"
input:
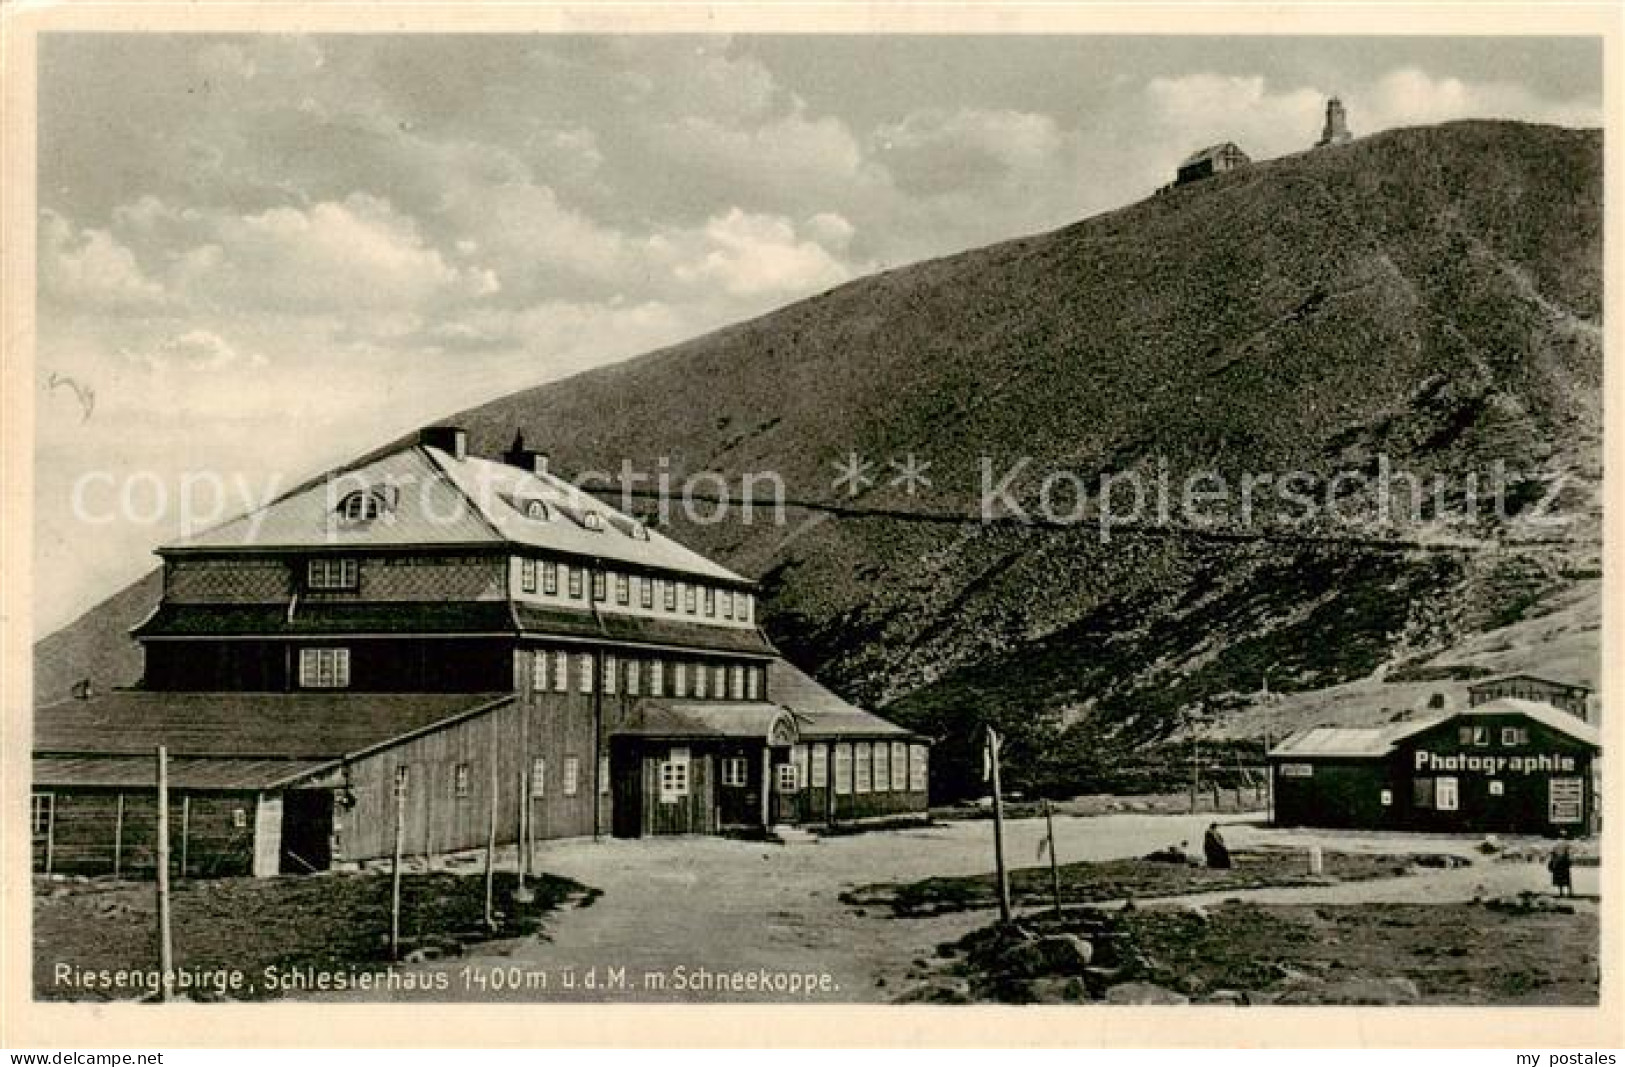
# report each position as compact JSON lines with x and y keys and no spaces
{"x":674,"y":907}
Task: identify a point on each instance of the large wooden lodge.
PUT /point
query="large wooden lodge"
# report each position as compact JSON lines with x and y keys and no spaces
{"x":482,"y":636}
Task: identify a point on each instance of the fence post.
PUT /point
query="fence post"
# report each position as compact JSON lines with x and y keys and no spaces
{"x":395,"y":865}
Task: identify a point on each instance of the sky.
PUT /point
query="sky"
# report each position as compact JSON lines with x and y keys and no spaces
{"x":260,"y":255}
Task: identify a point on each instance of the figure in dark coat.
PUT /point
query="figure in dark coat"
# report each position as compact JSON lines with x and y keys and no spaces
{"x":1218,"y":853}
{"x":1562,"y":867}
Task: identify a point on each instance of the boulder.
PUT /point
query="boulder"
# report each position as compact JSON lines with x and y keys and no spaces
{"x":1140,"y":993}
{"x":1381,"y":991}
{"x":1058,"y":991}
{"x":1058,"y":954}
{"x":943,"y":990}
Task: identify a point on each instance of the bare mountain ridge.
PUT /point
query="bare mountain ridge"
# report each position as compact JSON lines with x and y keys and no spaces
{"x":1432,"y":295}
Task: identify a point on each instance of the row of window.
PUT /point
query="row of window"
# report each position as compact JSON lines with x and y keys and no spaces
{"x":569,"y":785}
{"x":859,"y":767}
{"x":551,"y":670}
{"x":549,"y":577}
{"x":1479,"y":736}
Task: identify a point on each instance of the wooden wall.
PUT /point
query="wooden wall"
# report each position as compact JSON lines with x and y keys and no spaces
{"x":378,"y":665}
{"x":89,"y":835}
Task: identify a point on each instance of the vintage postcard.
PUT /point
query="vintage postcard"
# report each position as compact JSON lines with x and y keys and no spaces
{"x":1076,"y":525}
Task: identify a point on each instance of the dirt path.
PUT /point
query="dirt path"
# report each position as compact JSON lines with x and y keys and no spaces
{"x":672,"y":908}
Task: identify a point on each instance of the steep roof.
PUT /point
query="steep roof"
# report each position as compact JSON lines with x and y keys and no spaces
{"x":819,"y":712}
{"x":1338,"y":741}
{"x":186,"y":772}
{"x":1526,"y":676}
{"x":702,"y":719}
{"x":1212,"y":151}
{"x":438,"y":499}
{"x":284,"y":726}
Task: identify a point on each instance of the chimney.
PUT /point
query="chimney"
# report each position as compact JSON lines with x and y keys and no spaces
{"x":527,"y":459}
{"x":453,"y":440}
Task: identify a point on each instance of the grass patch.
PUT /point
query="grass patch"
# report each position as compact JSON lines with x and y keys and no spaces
{"x":1095,"y":881}
{"x":335,"y":922}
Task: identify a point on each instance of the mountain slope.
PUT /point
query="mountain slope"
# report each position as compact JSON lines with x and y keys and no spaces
{"x":1429,"y":295}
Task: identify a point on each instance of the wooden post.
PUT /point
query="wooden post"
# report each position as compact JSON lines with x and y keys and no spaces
{"x":767,"y":784}
{"x":395,"y":865}
{"x":118,"y":838}
{"x":1054,"y":864}
{"x":166,"y":945}
{"x":50,"y":835}
{"x":186,"y":830}
{"x":998,"y":827}
{"x":491,"y":836}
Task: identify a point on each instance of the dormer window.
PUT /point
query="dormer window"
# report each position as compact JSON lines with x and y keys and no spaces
{"x":535,"y":509}
{"x":592,"y":520}
{"x":364,"y":505}
{"x":640,"y":532}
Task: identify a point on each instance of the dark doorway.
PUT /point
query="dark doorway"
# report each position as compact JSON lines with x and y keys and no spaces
{"x":626,"y":786}
{"x":307,"y":831}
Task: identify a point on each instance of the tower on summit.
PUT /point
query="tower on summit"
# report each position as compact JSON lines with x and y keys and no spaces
{"x":1337,"y":128}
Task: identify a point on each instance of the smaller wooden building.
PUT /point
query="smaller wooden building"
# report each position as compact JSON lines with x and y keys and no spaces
{"x":1570,"y":697}
{"x":1505,"y":766}
{"x":1214,"y":159}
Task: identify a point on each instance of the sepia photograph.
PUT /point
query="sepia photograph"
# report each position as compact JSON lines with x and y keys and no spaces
{"x":1085,"y":520}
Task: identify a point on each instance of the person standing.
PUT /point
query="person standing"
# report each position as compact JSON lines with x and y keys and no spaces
{"x":1213,"y":846}
{"x":1561,"y":866}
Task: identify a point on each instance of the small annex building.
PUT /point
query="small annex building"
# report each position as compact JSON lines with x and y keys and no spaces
{"x":1214,"y":159}
{"x":1503,"y":766}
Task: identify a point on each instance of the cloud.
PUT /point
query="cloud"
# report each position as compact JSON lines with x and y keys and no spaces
{"x":936,"y":151}
{"x":199,"y":350}
{"x":1411,"y":97}
{"x":754,"y":255}
{"x":91,"y":270}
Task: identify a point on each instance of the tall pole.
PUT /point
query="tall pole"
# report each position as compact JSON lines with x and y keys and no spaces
{"x":1054,"y":864}
{"x":166,"y":943}
{"x":395,"y":865}
{"x":998,"y":827}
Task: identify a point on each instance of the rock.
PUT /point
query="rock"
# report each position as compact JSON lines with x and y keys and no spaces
{"x":1227,"y":996}
{"x":1143,"y":993}
{"x":1387,"y":991}
{"x":938,"y":991}
{"x":422,"y":955}
{"x":1060,"y":954}
{"x":1059,"y":991}
{"x":1196,"y":911}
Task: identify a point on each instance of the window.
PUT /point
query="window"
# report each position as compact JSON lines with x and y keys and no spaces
{"x":882,"y":766}
{"x":332,"y":574}
{"x":592,"y":520}
{"x":361,"y":506}
{"x":668,"y":591}
{"x":899,"y":766}
{"x":603,"y":776}
{"x":674,"y":776}
{"x":584,"y":672}
{"x":746,"y":604}
{"x":1444,"y":794}
{"x":1514,"y":735}
{"x":633,"y":681}
{"x":550,"y":578}
{"x":239,"y":818}
{"x":459,"y":781}
{"x":798,"y":756}
{"x":538,"y":778}
{"x":787,"y":778}
{"x":646,"y":593}
{"x":572,"y":775}
{"x":1422,"y":793}
{"x":535,"y":509}
{"x":727,"y":603}
{"x":1387,"y":798}
{"x":612,"y":669}
{"x":41,"y":808}
{"x":600,"y":586}
{"x":843,"y":769}
{"x":1297,"y":770}
{"x":623,"y":589}
{"x":736,"y":687}
{"x":819,"y":771}
{"x":538,"y":670}
{"x":679,"y":684}
{"x":753,"y":681}
{"x":699,"y":681}
{"x":1474,"y":735}
{"x":862,"y":767}
{"x":710,"y":602}
{"x":1498,"y":788}
{"x":916,"y":768}
{"x":324,"y":668}
{"x":561,"y":672}
{"x":572,"y":575}
{"x":690,"y":598}
{"x":735,"y":771}
{"x":527,"y":575}
{"x":719,"y":676}
{"x":657,"y":678}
